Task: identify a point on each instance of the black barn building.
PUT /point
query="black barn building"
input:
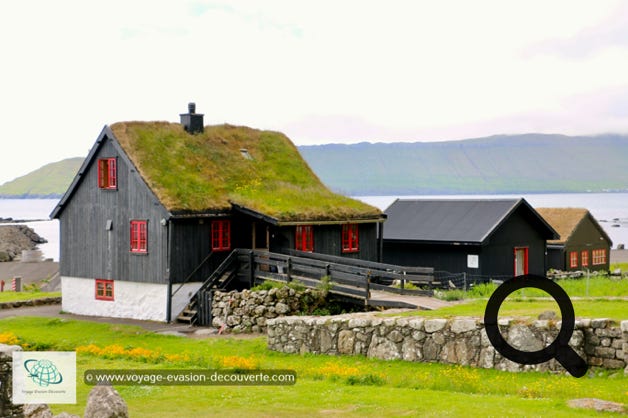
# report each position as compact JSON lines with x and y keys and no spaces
{"x":483,"y":238}
{"x":157,"y":204}
{"x":583,"y":243}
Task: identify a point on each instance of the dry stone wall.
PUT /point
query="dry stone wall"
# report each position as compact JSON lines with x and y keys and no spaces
{"x":456,"y":341}
{"x":7,"y":409}
{"x":248,"y":311}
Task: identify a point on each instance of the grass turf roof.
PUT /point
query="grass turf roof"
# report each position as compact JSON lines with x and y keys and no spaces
{"x":206,"y":172}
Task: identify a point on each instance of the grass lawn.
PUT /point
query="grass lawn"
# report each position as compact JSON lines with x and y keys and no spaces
{"x":351,"y":386}
{"x":530,"y":308}
{"x":18,"y":296}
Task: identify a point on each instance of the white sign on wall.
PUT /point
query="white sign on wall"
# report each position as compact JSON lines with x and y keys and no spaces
{"x":473,"y":261}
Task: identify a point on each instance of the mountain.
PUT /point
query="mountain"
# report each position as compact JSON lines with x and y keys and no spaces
{"x":530,"y":163}
{"x":49,"y":181}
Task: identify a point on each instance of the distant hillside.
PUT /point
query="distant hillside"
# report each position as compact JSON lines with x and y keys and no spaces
{"x":51,"y":180}
{"x":531,"y":163}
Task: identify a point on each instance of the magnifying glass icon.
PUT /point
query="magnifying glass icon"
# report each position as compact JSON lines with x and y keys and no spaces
{"x":559,"y":349}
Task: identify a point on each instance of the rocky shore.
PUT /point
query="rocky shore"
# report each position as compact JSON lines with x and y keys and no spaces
{"x":16,"y":238}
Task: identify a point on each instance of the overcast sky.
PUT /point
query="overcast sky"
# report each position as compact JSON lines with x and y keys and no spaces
{"x":319,"y":71}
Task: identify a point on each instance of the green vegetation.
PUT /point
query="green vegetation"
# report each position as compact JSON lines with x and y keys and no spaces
{"x":596,"y":286}
{"x":51,"y":181}
{"x":19,"y":296}
{"x":596,"y":297}
{"x":207,"y":171}
{"x":350,"y":386}
{"x":532,"y":163}
{"x":530,"y":308}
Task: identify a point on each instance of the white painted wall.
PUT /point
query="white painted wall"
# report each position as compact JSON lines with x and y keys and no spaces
{"x":147,"y":301}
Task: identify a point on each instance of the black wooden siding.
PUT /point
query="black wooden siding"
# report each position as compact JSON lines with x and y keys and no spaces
{"x":496,"y":255}
{"x":89,"y":250}
{"x":328,"y":240}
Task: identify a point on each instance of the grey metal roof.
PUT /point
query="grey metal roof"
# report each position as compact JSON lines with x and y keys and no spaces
{"x":452,"y":220}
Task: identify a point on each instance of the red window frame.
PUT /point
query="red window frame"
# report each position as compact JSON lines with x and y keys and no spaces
{"x":139,"y":236}
{"x":221,"y":235}
{"x":525,"y":259}
{"x":304,"y":238}
{"x":584,"y":258}
{"x":107,"y":174}
{"x":598,"y":256}
{"x":103,"y":289}
{"x":350,"y":238}
{"x":573,"y":259}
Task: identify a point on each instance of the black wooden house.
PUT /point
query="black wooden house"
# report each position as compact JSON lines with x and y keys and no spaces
{"x":483,"y":238}
{"x":583,"y":243}
{"x":157,"y":204}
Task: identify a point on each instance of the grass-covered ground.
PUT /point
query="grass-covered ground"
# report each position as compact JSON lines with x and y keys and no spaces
{"x":349,"y":386}
{"x":19,"y":296}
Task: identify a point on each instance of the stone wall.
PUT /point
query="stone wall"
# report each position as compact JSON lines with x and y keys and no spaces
{"x":7,"y":409}
{"x":248,"y":311}
{"x":456,"y":341}
{"x":31,"y":302}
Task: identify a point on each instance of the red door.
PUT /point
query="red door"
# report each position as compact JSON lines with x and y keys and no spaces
{"x":521,"y":261}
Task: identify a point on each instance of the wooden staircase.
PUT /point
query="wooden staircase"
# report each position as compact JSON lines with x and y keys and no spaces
{"x":201,"y":301}
{"x":361,"y":282}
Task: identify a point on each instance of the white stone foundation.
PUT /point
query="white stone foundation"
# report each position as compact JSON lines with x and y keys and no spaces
{"x":146,"y":301}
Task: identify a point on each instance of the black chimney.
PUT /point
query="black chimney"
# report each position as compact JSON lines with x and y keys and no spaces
{"x":192,"y":122}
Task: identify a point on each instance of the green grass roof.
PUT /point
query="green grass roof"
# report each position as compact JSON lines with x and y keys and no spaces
{"x":207,"y":172}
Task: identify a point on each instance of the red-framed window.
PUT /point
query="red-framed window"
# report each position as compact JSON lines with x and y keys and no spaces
{"x":599,"y":257}
{"x":521,"y":261}
{"x":107,"y":174}
{"x":104,"y":289}
{"x":221,"y":235}
{"x":139,"y":236}
{"x":573,"y":259}
{"x":304,"y":238}
{"x":584,"y":258}
{"x":350,"y":238}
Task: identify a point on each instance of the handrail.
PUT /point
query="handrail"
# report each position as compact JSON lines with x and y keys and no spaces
{"x":220,"y":270}
{"x":187,"y":279}
{"x":363,"y":263}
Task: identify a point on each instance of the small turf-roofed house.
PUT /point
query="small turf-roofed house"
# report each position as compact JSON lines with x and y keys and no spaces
{"x":484,"y":238}
{"x":583,"y":243}
{"x":158,"y":204}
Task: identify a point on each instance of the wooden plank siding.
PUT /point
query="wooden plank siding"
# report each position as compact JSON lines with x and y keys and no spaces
{"x":328,"y":240}
{"x":586,"y":237}
{"x":496,"y":254}
{"x":88,"y":249}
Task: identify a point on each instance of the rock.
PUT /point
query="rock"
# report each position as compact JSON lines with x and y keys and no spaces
{"x":597,"y":404}
{"x":521,"y":338}
{"x":461,"y":325}
{"x":433,"y":325}
{"x":39,"y":410}
{"x":282,"y":308}
{"x":346,"y":339}
{"x":66,"y":415}
{"x":105,"y":402}
{"x":547,"y":315}
{"x":383,"y":348}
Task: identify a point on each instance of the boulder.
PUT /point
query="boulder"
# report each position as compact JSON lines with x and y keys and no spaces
{"x":105,"y":402}
{"x":38,"y":410}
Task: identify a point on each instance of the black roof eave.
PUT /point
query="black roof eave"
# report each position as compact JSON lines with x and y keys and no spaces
{"x":435,"y":242}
